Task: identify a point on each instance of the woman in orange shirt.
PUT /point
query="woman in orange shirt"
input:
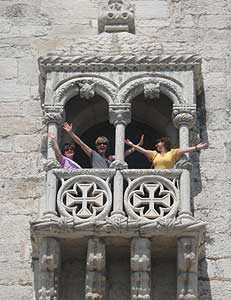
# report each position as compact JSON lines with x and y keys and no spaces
{"x":164,"y":157}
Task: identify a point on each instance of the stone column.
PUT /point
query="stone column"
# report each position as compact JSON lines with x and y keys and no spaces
{"x":120,"y":116}
{"x":184,"y":119}
{"x":187,"y":264}
{"x":95,"y":273}
{"x":49,"y":269}
{"x":53,"y":121}
{"x":140,"y":269}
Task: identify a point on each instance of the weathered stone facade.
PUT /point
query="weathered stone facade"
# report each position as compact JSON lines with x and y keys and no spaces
{"x":188,"y":41}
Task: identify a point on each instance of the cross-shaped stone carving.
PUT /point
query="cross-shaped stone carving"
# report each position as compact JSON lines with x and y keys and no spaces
{"x":94,"y":198}
{"x":152,"y":201}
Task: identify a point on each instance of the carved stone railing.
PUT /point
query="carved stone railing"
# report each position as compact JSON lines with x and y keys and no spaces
{"x":151,"y":194}
{"x":84,"y":195}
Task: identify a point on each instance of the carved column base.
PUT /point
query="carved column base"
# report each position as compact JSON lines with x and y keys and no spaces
{"x":185,"y":216}
{"x":140,"y":286}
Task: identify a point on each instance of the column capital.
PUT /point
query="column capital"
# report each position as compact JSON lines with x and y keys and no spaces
{"x":53,"y":114}
{"x":120,"y":114}
{"x":184,"y":115}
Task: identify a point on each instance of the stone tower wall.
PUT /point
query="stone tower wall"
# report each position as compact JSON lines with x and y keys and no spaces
{"x":31,"y":28}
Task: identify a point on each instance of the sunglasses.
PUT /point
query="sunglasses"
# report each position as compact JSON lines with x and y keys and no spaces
{"x":68,"y":148}
{"x":103,"y":143}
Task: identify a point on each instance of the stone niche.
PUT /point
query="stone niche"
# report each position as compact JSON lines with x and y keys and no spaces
{"x":131,"y":242}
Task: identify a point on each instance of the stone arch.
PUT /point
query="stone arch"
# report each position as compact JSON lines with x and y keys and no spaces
{"x":166,"y":85}
{"x":86,"y":86}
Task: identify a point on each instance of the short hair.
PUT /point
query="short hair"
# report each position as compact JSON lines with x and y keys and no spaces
{"x":166,"y":141}
{"x":101,"y":139}
{"x":64,"y":146}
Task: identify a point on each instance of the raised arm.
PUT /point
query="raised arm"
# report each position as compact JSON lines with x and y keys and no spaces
{"x":140,"y":149}
{"x":132,"y":150}
{"x":53,"y":143}
{"x":198,"y":147}
{"x":84,"y":147}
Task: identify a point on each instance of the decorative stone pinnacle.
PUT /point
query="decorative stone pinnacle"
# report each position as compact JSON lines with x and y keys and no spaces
{"x":184,"y":116}
{"x":120,"y":114}
{"x":116,"y":17}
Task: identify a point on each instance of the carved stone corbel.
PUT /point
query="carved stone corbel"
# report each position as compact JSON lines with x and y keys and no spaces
{"x":140,"y":269}
{"x":54,"y":115}
{"x":120,"y":114}
{"x":49,"y":269}
{"x":95,"y":275}
{"x":187,"y":261}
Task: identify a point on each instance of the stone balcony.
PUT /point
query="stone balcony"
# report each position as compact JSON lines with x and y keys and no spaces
{"x":88,"y":202}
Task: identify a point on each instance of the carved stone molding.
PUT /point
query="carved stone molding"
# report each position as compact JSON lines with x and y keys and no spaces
{"x":86,"y":88}
{"x":114,"y":63}
{"x":129,"y":63}
{"x":117,"y":16}
{"x":120,"y":114}
{"x":151,"y":84}
{"x":116,"y":224}
{"x":184,"y":115}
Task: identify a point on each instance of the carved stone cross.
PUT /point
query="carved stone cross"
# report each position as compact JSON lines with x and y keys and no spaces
{"x":86,"y":199}
{"x":151,"y":200}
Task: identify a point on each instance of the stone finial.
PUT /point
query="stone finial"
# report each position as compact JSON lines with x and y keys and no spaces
{"x":184,"y":116}
{"x":120,"y":114}
{"x":116,"y":17}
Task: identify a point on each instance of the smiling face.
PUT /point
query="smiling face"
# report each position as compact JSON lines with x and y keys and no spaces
{"x":163,"y":145}
{"x":69,"y":151}
{"x":160,"y":147}
{"x":101,"y":144}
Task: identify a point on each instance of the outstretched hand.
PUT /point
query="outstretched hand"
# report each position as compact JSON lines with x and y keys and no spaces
{"x":202,"y":146}
{"x":67,"y":127}
{"x":141,"y":140}
{"x":128,"y":142}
